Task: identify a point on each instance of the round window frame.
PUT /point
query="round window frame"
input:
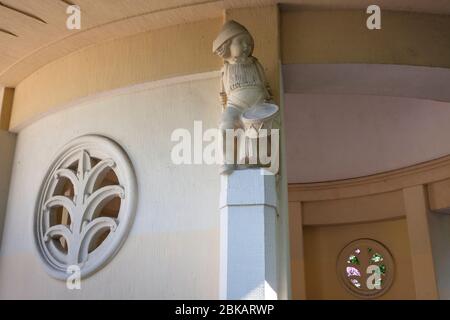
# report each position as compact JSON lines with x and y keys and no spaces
{"x":124,"y":171}
{"x":341,"y":264}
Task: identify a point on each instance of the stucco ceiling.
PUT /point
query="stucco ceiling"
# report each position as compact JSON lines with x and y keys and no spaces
{"x":33,"y":32}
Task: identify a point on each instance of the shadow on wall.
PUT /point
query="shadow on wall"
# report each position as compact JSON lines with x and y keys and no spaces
{"x":7,"y":146}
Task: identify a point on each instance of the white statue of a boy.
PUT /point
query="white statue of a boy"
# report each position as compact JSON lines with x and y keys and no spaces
{"x":243,"y":82}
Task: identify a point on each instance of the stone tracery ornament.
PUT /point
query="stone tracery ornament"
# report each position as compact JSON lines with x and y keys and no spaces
{"x":85,"y":207}
{"x":245,"y":94}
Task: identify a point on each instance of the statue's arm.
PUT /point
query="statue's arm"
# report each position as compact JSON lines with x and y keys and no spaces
{"x":269,"y":95}
{"x":222,"y":94}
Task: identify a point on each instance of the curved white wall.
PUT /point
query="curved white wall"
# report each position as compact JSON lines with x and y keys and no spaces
{"x":331,"y":137}
{"x":173,"y":248}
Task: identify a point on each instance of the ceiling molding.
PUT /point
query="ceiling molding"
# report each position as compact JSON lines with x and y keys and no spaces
{"x":423,"y":173}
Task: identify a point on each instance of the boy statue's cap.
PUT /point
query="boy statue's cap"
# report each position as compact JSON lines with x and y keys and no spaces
{"x":229,"y":30}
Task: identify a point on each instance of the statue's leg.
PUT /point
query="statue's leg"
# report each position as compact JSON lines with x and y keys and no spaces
{"x":229,"y":121}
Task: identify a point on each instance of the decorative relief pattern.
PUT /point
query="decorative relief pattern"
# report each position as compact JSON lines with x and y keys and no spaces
{"x":86,"y":206}
{"x":366,"y":268}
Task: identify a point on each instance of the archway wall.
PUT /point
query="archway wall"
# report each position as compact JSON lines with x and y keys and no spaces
{"x":416,"y":199}
{"x":305,"y":36}
{"x":171,"y":251}
{"x":334,"y":137}
{"x":353,"y":93}
{"x":341,"y":36}
{"x":159,"y":54}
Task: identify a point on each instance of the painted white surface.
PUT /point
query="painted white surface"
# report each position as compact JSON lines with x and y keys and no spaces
{"x":7,"y":145}
{"x":248,"y":222}
{"x":368,"y":79}
{"x":173,"y":247}
{"x":331,"y":137}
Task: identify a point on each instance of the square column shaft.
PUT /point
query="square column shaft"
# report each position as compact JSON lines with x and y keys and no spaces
{"x":248,"y":218}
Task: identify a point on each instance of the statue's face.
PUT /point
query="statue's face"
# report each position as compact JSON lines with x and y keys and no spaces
{"x":241,"y":46}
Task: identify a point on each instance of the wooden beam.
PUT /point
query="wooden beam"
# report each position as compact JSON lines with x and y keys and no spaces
{"x":6,"y":102}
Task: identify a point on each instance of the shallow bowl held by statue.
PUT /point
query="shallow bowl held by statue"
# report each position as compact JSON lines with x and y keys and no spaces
{"x":259,"y":117}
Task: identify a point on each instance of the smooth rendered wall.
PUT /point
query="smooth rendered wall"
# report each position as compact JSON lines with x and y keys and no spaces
{"x":172,"y":251}
{"x":332,"y":137}
{"x":158,"y":54}
{"x":341,"y":36}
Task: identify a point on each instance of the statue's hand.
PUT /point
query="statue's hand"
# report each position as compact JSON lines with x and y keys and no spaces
{"x":269,"y":96}
{"x":269,"y":99}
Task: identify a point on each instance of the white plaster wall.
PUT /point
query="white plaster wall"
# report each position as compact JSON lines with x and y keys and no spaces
{"x":172,"y":251}
{"x":332,"y":137}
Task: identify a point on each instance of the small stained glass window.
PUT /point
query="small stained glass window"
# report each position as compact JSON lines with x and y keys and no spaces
{"x":366,"y":268}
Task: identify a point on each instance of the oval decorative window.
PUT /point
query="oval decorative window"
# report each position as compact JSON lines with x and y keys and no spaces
{"x":366,"y":268}
{"x":85,"y":207}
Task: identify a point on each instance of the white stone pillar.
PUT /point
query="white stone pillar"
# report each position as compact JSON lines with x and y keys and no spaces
{"x":248,"y":218}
